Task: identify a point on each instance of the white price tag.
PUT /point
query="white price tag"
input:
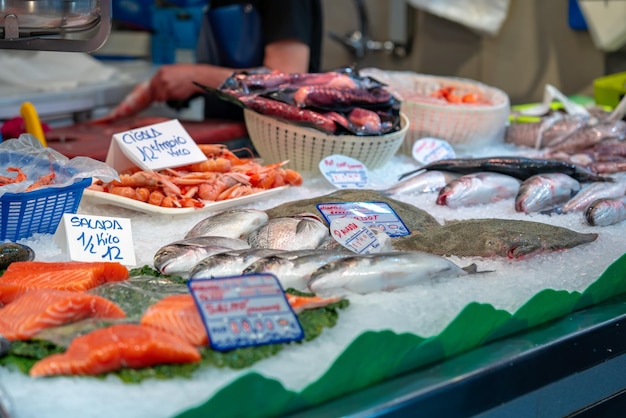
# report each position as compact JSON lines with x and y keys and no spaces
{"x":96,"y":238}
{"x":344,"y":172}
{"x":428,"y":150}
{"x":153,"y":147}
{"x":355,"y":236}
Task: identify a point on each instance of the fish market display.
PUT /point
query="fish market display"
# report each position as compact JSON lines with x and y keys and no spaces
{"x":335,"y":102}
{"x":236,"y":223}
{"x":380,"y":272}
{"x":545,"y":191}
{"x":38,"y":309}
{"x":221,"y":176}
{"x":179,"y":257}
{"x":591,"y":192}
{"x":478,"y":188}
{"x":426,"y":182}
{"x":12,"y":251}
{"x":508,"y":238}
{"x":297,"y":232}
{"x":606,"y":211}
{"x":23,"y":276}
{"x":229,"y":263}
{"x":519,"y":167}
{"x":116,"y":346}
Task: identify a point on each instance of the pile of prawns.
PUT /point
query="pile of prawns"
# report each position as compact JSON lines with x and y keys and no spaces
{"x":223,"y":175}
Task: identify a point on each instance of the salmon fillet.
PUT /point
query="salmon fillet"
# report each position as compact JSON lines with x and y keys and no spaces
{"x":39,"y":309}
{"x":73,"y":275}
{"x":179,"y":315}
{"x":115,"y":347}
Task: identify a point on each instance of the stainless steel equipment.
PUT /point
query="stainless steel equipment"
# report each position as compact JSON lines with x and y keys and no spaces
{"x":54,"y":25}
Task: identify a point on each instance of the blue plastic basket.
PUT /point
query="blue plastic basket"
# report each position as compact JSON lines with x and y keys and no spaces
{"x":38,"y":211}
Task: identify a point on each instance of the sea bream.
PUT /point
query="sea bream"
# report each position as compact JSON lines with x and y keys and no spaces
{"x":295,"y":272}
{"x":426,"y":182}
{"x":235,"y":223}
{"x":477,"y":189}
{"x":297,"y":232}
{"x":545,"y":191}
{"x":604,"y":212}
{"x":180,"y":257}
{"x":369,"y":273}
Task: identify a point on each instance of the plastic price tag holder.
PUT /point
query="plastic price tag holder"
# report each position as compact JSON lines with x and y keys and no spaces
{"x":378,"y":215}
{"x":96,"y":238}
{"x":154,"y":147}
{"x":355,"y":236}
{"x":428,"y":150}
{"x":344,"y":172}
{"x":243,"y":311}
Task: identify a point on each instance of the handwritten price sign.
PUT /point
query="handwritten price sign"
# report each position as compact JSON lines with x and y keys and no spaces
{"x":96,"y":238}
{"x":344,"y":172}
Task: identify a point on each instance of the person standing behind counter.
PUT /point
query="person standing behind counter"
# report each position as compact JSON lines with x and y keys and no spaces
{"x":282,"y":35}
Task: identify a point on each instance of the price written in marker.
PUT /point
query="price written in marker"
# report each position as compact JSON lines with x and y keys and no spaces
{"x":344,"y":172}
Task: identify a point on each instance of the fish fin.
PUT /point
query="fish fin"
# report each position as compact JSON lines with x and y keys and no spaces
{"x":473,"y":269}
{"x":306,"y":224}
{"x":410,"y":173}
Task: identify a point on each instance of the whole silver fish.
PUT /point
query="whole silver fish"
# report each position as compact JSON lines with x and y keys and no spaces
{"x":477,"y":189}
{"x":294,"y":271}
{"x":298,"y":232}
{"x":229,"y":263}
{"x":544,"y":191}
{"x":179,"y":257}
{"x":235,"y":223}
{"x":380,"y":272}
{"x":604,"y":212}
{"x":425,"y":182}
{"x":594,"y":191}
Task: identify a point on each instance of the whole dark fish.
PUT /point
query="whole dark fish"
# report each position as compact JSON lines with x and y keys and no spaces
{"x":607,"y":211}
{"x":12,"y":251}
{"x":514,"y":239}
{"x":519,"y":167}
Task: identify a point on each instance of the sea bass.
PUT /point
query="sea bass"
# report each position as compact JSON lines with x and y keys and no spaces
{"x":179,"y":257}
{"x":604,"y":212}
{"x":298,"y":232}
{"x":426,"y":182}
{"x":477,"y":189}
{"x":514,"y":239}
{"x":229,"y":263}
{"x":236,"y":223}
{"x":296,"y":271}
{"x":544,"y":191}
{"x":380,"y":272}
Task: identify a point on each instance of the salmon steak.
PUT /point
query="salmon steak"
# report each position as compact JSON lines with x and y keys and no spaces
{"x":115,"y":347}
{"x":22,"y":276}
{"x":179,"y":315}
{"x":39,"y":309}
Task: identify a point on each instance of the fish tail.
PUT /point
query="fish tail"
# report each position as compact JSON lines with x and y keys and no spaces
{"x":410,"y":173}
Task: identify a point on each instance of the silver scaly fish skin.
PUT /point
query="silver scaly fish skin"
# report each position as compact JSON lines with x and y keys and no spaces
{"x":545,"y":191}
{"x":229,"y":263}
{"x":426,"y":182}
{"x":180,"y":257}
{"x":235,"y":223}
{"x":594,"y":191}
{"x":477,"y":189}
{"x":605,"y":212}
{"x":298,"y":232}
{"x":364,"y":274}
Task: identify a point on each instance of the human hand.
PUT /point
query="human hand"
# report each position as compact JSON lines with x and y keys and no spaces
{"x":174,"y":82}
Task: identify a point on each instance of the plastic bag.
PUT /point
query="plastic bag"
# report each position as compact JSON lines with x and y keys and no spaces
{"x":35,"y":160}
{"x":482,"y":15}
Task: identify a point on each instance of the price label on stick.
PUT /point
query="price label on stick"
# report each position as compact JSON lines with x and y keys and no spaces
{"x":377,"y":215}
{"x":96,"y":238}
{"x":154,"y":147}
{"x":242,"y":311}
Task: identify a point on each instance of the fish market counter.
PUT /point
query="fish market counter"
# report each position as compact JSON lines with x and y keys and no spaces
{"x":537,"y":336}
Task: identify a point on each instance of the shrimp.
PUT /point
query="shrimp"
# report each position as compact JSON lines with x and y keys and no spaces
{"x":18,"y":178}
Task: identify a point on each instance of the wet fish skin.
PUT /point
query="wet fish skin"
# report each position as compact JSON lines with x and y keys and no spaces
{"x":294,"y":271}
{"x":544,"y":191}
{"x":12,"y":251}
{"x":477,"y":189}
{"x":426,"y":182}
{"x":235,"y":223}
{"x":229,"y":263}
{"x":581,"y":201}
{"x":179,"y":257}
{"x":492,"y":237}
{"x":296,"y":232}
{"x":369,"y":273}
{"x":519,"y":167}
{"x":607,"y":211}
